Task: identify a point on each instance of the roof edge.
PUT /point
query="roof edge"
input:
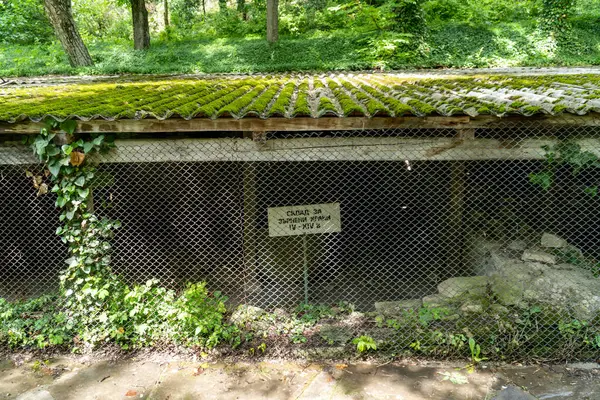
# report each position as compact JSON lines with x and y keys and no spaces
{"x":299,"y":124}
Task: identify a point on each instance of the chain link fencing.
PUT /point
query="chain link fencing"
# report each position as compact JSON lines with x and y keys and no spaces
{"x":446,"y":225}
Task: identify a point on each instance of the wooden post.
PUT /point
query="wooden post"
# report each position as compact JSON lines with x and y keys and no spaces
{"x":251,"y":283}
{"x":455,"y":230}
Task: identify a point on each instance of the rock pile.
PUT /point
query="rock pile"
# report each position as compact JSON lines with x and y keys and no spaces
{"x":550,"y":273}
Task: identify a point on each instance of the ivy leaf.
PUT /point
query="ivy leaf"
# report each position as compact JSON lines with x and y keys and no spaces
{"x":52,"y":151}
{"x":70,"y":214}
{"x":83,"y":193}
{"x":87,"y":147}
{"x":69,"y":126}
{"x":40,"y":146}
{"x":72,"y":262}
{"x":67,"y":149}
{"x":61,"y":201}
{"x":54,"y":168}
{"x":80,"y":181}
{"x":98,"y":141}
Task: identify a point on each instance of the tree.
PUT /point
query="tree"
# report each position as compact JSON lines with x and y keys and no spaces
{"x":166,"y":15}
{"x":141,"y":28}
{"x":61,"y":17}
{"x":272,"y":20}
{"x":241,"y":8}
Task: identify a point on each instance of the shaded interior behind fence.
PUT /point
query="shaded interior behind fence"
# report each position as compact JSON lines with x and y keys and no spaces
{"x":192,"y":221}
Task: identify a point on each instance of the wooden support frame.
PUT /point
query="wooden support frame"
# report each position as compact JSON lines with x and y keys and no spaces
{"x":297,"y":124}
{"x":315,"y":149}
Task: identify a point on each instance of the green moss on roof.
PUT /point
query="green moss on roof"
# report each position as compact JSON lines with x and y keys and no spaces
{"x":362,"y":94}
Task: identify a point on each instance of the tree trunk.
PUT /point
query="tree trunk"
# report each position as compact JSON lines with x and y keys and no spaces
{"x":272,"y":20}
{"x":241,"y":8}
{"x":61,"y":17}
{"x":141,"y":29}
{"x":166,"y":3}
{"x":204,"y":7}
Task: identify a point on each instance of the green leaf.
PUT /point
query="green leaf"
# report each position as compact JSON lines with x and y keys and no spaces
{"x":98,"y":141}
{"x":83,"y":193}
{"x":87,"y":147}
{"x":70,"y":214}
{"x":54,"y":168}
{"x":52,"y":151}
{"x":69,"y":126}
{"x":67,"y":149}
{"x":80,"y":181}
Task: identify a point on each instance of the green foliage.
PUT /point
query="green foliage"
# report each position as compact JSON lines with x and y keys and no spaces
{"x":34,"y":323}
{"x":475,"y":352}
{"x":101,"y":19}
{"x":409,"y":17}
{"x":96,"y":305}
{"x":199,"y":318}
{"x":313,"y":313}
{"x":24,"y":21}
{"x":555,"y":15}
{"x":364,"y":344}
{"x":479,"y":11}
{"x":567,"y":154}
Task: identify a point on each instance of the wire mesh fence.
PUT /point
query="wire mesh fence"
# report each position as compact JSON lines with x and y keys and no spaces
{"x":467,"y":228}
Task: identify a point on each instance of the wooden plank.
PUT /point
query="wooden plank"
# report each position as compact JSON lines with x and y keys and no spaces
{"x":300,"y":124}
{"x":315,"y":149}
{"x":244,"y":124}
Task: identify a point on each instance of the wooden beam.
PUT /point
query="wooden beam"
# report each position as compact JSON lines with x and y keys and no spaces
{"x":244,"y":124}
{"x":315,"y":149}
{"x":299,"y":124}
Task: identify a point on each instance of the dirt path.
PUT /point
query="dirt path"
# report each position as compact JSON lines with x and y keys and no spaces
{"x":81,"y":378}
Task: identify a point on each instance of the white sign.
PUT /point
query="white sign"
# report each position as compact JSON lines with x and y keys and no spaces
{"x":303,"y":220}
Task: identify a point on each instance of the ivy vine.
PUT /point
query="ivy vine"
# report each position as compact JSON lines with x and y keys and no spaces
{"x":98,"y":306}
{"x":567,"y":154}
{"x":88,"y":280}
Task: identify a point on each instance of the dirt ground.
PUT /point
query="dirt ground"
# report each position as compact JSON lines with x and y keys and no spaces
{"x":158,"y":377}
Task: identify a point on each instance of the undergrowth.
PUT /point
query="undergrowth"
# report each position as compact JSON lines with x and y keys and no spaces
{"x":447,"y":44}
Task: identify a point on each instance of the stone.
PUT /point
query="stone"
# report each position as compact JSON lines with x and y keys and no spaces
{"x":566,"y":267}
{"x":552,"y":241}
{"x":575,"y":291}
{"x":246,"y":313}
{"x":471,"y":308}
{"x":512,"y":392}
{"x":435,"y":300}
{"x":499,"y":309}
{"x":538,"y":256}
{"x":472,"y":285}
{"x":397,"y":307}
{"x":517,"y":245}
{"x":587,"y":366}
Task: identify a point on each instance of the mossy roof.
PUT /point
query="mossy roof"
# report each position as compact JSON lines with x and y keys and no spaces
{"x":340,"y":95}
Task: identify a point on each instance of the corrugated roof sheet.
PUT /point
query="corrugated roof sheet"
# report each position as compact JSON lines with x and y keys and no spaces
{"x":361,"y":94}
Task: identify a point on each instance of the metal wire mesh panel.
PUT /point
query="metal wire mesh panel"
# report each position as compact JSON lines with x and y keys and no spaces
{"x":427,"y":218}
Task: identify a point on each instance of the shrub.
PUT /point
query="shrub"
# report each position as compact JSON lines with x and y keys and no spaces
{"x":33,"y":323}
{"x":133,"y":317}
{"x":24,"y":21}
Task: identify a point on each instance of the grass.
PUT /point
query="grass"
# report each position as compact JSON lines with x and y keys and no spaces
{"x":447,"y":45}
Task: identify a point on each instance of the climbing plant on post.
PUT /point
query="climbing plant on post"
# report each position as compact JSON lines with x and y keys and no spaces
{"x":88,"y":280}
